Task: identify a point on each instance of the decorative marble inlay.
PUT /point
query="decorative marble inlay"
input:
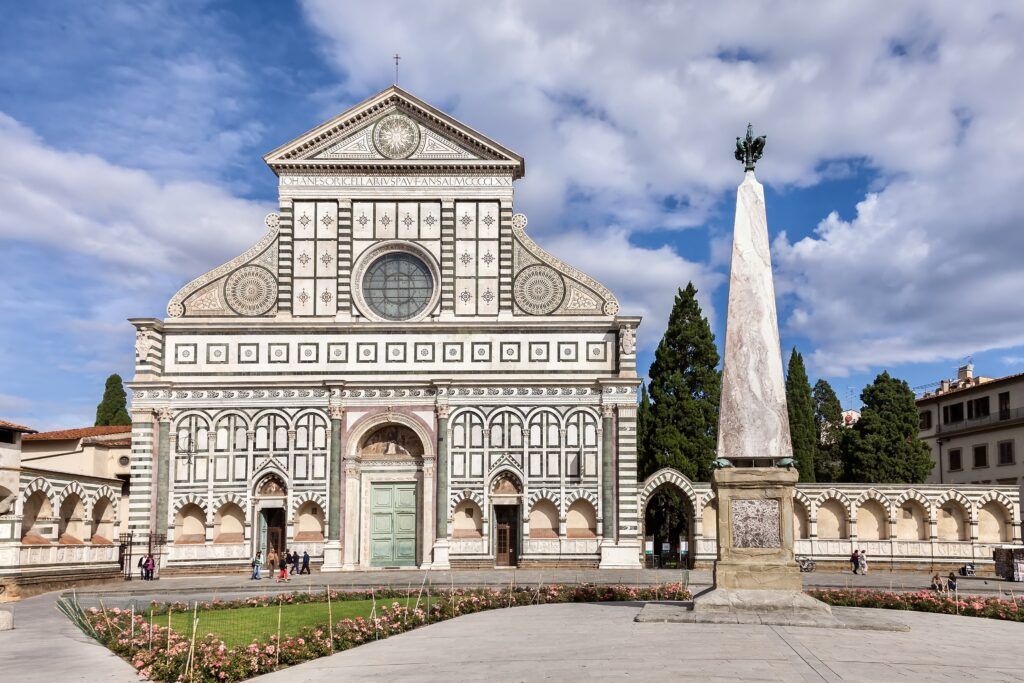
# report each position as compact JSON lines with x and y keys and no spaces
{"x":539,"y":290}
{"x":251,"y":290}
{"x":756,"y":523}
{"x":396,"y":136}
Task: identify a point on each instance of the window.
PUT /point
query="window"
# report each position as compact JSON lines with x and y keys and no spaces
{"x":398,"y":286}
{"x":955,"y":460}
{"x":926,"y":420}
{"x":1004,"y":405}
{"x":6,"y":436}
{"x":1005,"y":452}
{"x":953,"y":413}
{"x":977,"y":407}
{"x":981,"y":455}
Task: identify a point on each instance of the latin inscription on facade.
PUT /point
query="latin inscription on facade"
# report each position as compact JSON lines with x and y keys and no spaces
{"x":756,"y":523}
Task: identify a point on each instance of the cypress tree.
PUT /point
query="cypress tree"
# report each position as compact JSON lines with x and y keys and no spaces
{"x":829,"y":463}
{"x":885,"y":447}
{"x":113,"y":408}
{"x":801,"y":416}
{"x":646,"y":464}
{"x":685,"y":389}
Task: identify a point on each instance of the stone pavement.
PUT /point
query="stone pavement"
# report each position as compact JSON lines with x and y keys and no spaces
{"x":575,"y":642}
{"x":183,"y":588}
{"x":44,"y":646}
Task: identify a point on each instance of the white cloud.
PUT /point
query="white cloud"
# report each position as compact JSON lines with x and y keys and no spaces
{"x":120,"y":216}
{"x":644,"y":280}
{"x":626,"y":112}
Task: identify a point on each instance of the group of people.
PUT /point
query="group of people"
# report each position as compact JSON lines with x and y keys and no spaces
{"x":859,"y":561}
{"x":281,"y":563}
{"x":146,"y":565}
{"x":947,"y":585}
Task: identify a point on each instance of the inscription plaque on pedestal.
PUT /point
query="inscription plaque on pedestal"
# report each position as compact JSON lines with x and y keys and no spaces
{"x":756,"y":523}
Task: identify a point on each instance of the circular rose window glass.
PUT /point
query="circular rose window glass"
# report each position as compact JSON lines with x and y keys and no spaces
{"x":398,"y":286}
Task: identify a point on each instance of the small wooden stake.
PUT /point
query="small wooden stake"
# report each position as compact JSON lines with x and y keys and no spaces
{"x":330,"y":618}
{"x":278,"y":649}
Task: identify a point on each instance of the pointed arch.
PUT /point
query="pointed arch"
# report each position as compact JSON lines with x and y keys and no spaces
{"x":1002,"y":499}
{"x":232,"y":497}
{"x":668,"y":476}
{"x":575,"y":494}
{"x":465,"y":494}
{"x":73,"y":487}
{"x":191,"y":499}
{"x":957,"y":496}
{"x":303,"y":497}
{"x":101,"y":493}
{"x":543,"y":494}
{"x":43,"y":486}
{"x":832,"y":494}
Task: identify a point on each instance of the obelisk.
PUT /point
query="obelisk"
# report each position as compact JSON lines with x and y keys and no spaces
{"x":754,"y":477}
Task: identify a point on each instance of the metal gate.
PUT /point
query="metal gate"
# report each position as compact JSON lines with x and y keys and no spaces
{"x":132,"y":547}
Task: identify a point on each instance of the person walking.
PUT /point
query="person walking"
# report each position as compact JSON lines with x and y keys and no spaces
{"x":256,"y":562}
{"x":295,"y":562}
{"x":305,"y":562}
{"x":282,"y":565}
{"x":863,"y":561}
{"x":855,"y":561}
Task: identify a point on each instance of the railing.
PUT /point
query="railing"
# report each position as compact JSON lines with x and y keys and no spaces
{"x":994,"y":418}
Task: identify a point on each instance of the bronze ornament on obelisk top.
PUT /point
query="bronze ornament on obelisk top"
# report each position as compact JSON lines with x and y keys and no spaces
{"x":754,"y":477}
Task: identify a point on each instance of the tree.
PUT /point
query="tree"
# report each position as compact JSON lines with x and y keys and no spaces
{"x":885,"y":447}
{"x":802,"y":429}
{"x":685,"y":389}
{"x":113,"y":409}
{"x":646,"y":464}
{"x":829,"y":460}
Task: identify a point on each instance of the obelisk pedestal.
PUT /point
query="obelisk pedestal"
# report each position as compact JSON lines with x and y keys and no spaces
{"x":755,"y":571}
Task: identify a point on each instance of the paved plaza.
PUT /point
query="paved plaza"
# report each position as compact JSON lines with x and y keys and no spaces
{"x":603,"y":642}
{"x":557,"y":642}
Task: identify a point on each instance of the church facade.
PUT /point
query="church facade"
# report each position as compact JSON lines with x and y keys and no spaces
{"x":394,"y":375}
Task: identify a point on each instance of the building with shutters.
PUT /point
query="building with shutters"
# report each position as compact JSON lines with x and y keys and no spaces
{"x":394,"y":374}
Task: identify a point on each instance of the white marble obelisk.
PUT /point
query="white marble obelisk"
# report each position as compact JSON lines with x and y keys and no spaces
{"x":753,"y":423}
{"x":755,"y":571}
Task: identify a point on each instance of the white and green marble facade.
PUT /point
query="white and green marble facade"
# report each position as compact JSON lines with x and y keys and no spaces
{"x":517,"y":367}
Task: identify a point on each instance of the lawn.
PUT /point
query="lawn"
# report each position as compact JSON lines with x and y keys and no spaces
{"x":240,"y":626}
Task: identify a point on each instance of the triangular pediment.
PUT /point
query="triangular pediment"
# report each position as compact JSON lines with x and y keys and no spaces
{"x":394,"y":129}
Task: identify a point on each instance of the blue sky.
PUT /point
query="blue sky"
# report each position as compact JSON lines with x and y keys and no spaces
{"x":131,"y":137}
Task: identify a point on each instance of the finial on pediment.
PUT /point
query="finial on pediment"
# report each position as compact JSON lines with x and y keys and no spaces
{"x":750,"y":149}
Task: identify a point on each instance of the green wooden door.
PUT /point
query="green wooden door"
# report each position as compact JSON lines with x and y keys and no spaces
{"x":393,"y":525}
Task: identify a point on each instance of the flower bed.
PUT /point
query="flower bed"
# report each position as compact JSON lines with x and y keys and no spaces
{"x":161,"y":654}
{"x":925,"y":601}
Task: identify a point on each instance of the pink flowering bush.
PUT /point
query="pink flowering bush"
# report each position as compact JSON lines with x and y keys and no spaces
{"x":162,"y":655}
{"x":925,"y":601}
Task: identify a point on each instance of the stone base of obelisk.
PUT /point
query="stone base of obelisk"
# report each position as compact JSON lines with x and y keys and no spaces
{"x":756,"y":571}
{"x":332,"y":557}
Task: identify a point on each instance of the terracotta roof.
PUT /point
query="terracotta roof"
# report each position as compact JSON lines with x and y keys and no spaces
{"x":4,"y":424}
{"x":80,"y":433}
{"x":981,"y":386}
{"x":110,"y":443}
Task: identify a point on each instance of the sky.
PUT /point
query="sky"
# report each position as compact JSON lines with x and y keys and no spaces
{"x":131,"y":137}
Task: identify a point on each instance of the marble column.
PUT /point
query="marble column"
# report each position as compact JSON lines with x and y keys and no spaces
{"x":441,"y":546}
{"x":163,"y":470}
{"x":607,"y":473}
{"x":335,"y":493}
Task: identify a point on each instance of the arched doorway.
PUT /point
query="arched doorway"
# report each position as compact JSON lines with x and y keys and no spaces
{"x":391,"y":461}
{"x":271,"y":497}
{"x":506,"y":495}
{"x":667,"y":514}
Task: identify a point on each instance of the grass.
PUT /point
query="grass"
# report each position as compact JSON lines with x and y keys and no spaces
{"x":241,"y":626}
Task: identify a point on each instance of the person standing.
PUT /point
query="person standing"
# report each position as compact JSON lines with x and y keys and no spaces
{"x":150,"y":567}
{"x":855,"y":561}
{"x":256,"y":562}
{"x":863,"y":560}
{"x":272,"y":561}
{"x":142,"y":567}
{"x":282,"y":565}
{"x":305,"y":562}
